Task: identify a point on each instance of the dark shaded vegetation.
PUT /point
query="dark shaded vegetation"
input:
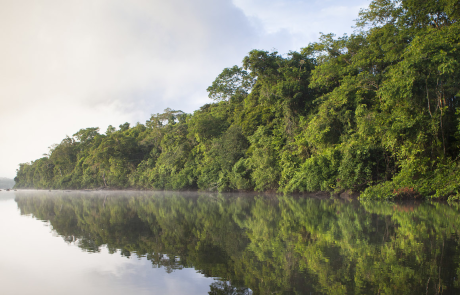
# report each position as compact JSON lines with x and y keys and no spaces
{"x":274,"y":244}
{"x":376,"y":112}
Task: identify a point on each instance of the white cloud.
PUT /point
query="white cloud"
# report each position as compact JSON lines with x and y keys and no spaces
{"x":302,"y":19}
{"x":66,"y":65}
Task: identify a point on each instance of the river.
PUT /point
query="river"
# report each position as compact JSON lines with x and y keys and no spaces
{"x":76,"y":242}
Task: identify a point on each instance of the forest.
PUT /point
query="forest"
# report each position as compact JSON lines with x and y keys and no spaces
{"x":376,"y":112}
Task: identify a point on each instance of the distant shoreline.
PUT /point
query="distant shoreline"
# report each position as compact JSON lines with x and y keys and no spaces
{"x":317,"y":195}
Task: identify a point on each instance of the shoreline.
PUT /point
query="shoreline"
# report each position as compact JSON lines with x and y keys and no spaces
{"x":320,"y":195}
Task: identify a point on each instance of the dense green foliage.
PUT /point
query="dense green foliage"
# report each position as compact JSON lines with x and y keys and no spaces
{"x":272,"y":245}
{"x":377,"y":112}
{"x":6,"y":183}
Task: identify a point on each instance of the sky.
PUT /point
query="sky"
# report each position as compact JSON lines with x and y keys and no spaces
{"x":67,"y":65}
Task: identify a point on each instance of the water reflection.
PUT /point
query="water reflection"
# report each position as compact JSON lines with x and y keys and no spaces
{"x":268,"y":244}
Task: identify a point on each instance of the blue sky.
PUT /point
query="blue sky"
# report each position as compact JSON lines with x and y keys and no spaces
{"x":74,"y":64}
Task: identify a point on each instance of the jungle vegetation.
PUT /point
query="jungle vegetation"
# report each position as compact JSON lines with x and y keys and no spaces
{"x":269,"y":244}
{"x":375,"y":112}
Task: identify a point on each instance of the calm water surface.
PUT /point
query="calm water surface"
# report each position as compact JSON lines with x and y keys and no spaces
{"x":197,"y":243}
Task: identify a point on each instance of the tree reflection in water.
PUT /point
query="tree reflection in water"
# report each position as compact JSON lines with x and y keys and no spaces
{"x":264,"y":245}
